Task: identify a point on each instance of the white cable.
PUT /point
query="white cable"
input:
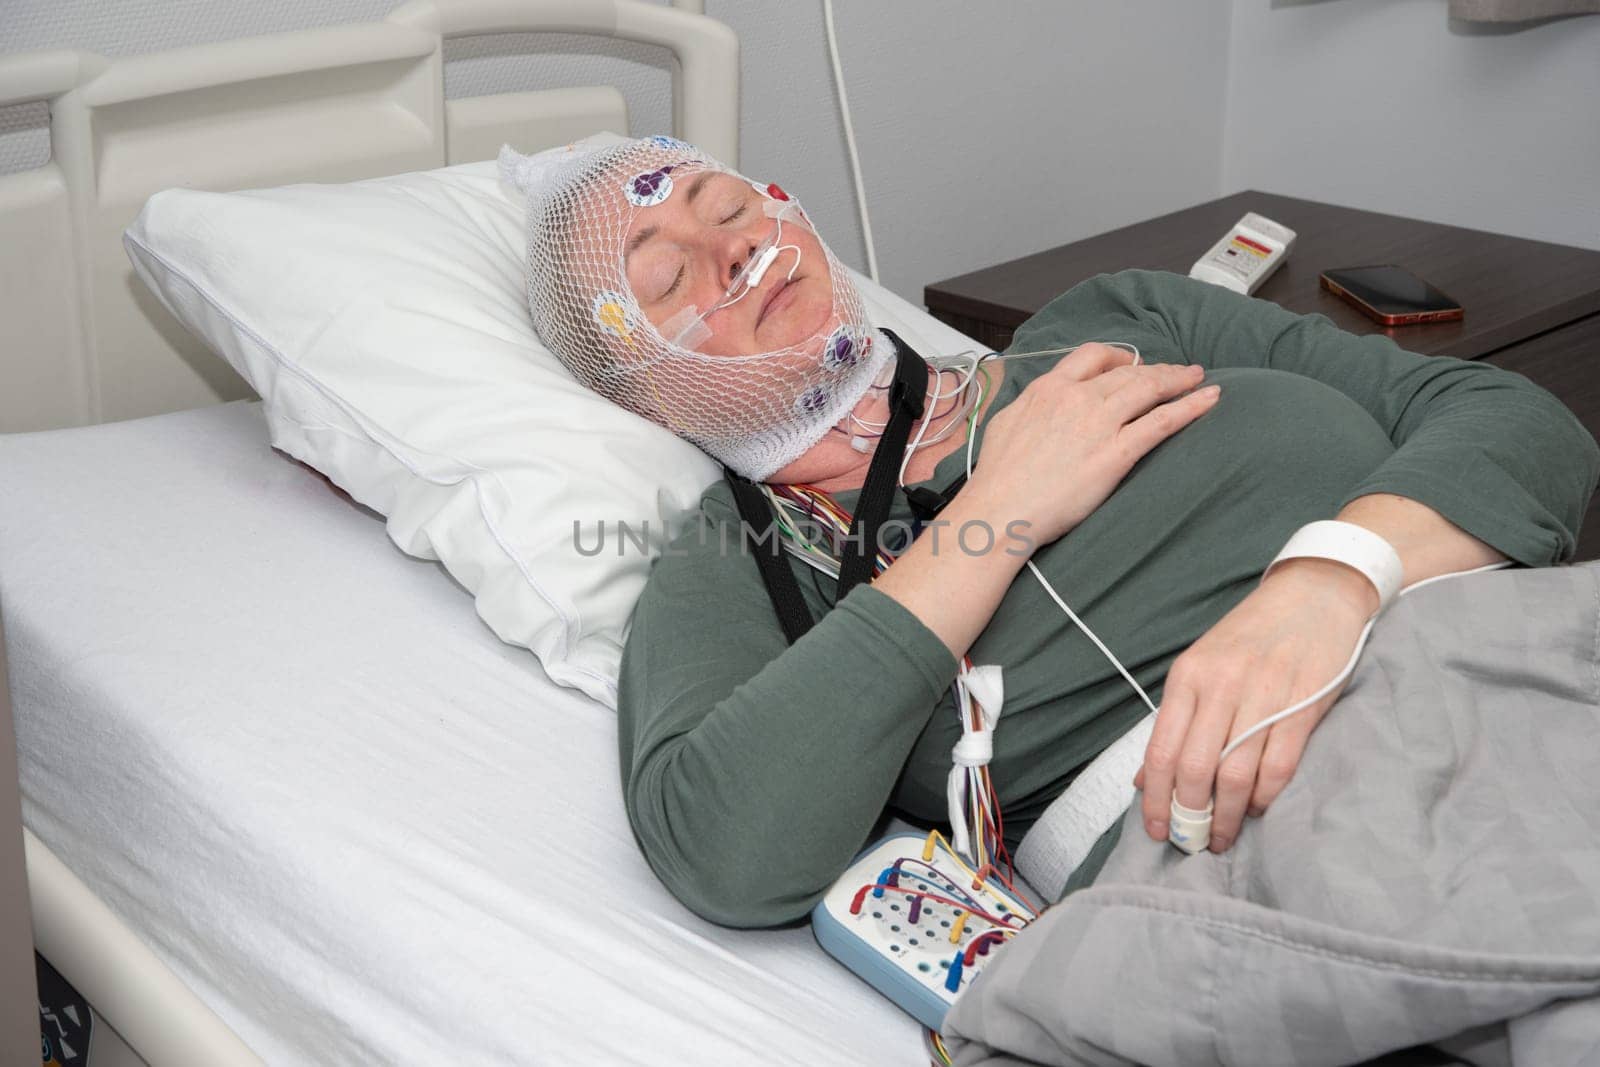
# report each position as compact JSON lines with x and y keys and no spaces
{"x":1361,"y":643}
{"x":972,"y":435}
{"x":1137,"y":358}
{"x":1062,"y":604}
{"x":850,"y":139}
{"x":972,"y":431}
{"x":931,"y":405}
{"x":954,"y":419}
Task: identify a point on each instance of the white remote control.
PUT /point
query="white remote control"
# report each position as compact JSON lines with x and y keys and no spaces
{"x":907,"y":918}
{"x":1246,"y":256}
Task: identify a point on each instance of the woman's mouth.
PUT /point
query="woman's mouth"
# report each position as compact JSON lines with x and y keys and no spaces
{"x":781,"y":296}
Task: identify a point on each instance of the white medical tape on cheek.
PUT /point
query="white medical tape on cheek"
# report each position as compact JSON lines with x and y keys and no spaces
{"x":687,"y":328}
{"x":787,"y":211}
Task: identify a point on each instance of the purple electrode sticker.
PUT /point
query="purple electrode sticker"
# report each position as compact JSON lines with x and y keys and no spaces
{"x":842,"y":350}
{"x":811,"y":401}
{"x":649,"y":188}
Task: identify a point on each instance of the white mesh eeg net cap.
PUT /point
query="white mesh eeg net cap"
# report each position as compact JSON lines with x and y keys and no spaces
{"x":755,"y":412}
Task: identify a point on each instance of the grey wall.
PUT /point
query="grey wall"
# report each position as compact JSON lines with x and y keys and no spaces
{"x":1389,"y":105}
{"x":986,"y":130}
{"x":990,"y":130}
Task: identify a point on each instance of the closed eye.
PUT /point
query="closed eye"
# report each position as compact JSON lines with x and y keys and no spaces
{"x":735,"y":215}
{"x":676,"y":281}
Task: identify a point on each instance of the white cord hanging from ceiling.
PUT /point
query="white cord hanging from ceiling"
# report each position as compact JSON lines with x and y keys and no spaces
{"x":850,"y":140}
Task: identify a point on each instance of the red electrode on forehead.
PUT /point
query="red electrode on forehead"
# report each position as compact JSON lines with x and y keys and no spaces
{"x":774,"y":191}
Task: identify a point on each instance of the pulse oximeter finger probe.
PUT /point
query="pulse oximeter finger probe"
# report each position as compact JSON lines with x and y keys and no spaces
{"x":1190,"y":830}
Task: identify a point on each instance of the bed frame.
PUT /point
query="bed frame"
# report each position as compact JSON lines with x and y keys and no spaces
{"x":82,"y":342}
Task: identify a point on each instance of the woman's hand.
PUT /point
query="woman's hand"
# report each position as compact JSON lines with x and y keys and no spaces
{"x":1050,"y":457}
{"x":1290,"y":637}
{"x":1055,"y":453}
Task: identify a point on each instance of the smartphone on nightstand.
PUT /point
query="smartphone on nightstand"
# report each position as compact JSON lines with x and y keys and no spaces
{"x":1391,"y":296}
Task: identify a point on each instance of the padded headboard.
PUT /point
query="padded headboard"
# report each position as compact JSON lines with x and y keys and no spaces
{"x":82,"y":341}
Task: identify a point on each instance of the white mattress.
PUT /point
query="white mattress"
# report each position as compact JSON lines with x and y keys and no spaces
{"x":358,"y":825}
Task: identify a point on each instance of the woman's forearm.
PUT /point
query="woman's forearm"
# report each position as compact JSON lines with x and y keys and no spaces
{"x":957,"y":572}
{"x":1428,"y":545}
{"x":754,"y":769}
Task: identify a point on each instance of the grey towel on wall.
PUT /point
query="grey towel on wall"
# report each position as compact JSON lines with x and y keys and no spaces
{"x":1520,"y":10}
{"x":1431,"y":876}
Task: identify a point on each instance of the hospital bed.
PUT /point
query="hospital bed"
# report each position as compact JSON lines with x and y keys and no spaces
{"x":286,"y":798}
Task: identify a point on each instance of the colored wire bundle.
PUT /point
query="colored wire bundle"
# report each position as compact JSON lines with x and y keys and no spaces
{"x":814,"y":527}
{"x":1003,"y":922}
{"x":985,"y":827}
{"x":936,"y":838}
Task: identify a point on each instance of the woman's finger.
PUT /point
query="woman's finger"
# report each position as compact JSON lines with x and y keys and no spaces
{"x":1091,"y":360}
{"x":1132,"y":390}
{"x":1197,"y":763}
{"x":1236,"y":782}
{"x":1161,"y":756}
{"x":1286,"y":743}
{"x":1150,"y":391}
{"x":1153,"y":427}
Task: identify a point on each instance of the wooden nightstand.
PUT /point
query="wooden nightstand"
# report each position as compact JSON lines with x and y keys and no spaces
{"x":1531,"y":307}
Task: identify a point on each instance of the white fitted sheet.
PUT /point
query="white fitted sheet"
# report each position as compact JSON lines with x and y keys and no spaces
{"x":359,"y":826}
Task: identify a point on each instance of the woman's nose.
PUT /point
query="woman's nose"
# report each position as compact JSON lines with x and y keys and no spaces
{"x":736,"y":249}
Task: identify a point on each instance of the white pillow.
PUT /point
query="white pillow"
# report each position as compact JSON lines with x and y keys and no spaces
{"x":384,"y":324}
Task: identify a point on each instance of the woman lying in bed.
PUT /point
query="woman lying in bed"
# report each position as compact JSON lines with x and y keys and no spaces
{"x":1150,"y":490}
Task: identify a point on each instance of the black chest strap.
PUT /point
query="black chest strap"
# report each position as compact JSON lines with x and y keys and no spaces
{"x":877,"y":493}
{"x":782,"y":587}
{"x":906,"y":398}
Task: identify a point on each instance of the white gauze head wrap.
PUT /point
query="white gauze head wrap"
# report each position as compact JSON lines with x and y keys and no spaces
{"x":755,"y":412}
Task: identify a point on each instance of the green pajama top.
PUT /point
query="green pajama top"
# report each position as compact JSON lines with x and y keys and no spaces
{"x":754,"y":771}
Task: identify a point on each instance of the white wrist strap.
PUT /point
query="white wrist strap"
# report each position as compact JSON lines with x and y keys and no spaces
{"x":1347,"y":543}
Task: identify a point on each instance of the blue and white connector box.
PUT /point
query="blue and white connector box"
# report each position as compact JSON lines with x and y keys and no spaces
{"x":910,"y":962}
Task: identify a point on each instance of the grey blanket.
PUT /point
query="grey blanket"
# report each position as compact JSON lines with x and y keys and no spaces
{"x":1430,"y":877}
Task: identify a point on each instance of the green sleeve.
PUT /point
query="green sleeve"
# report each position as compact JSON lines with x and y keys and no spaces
{"x":754,"y":771}
{"x":1486,"y":448}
